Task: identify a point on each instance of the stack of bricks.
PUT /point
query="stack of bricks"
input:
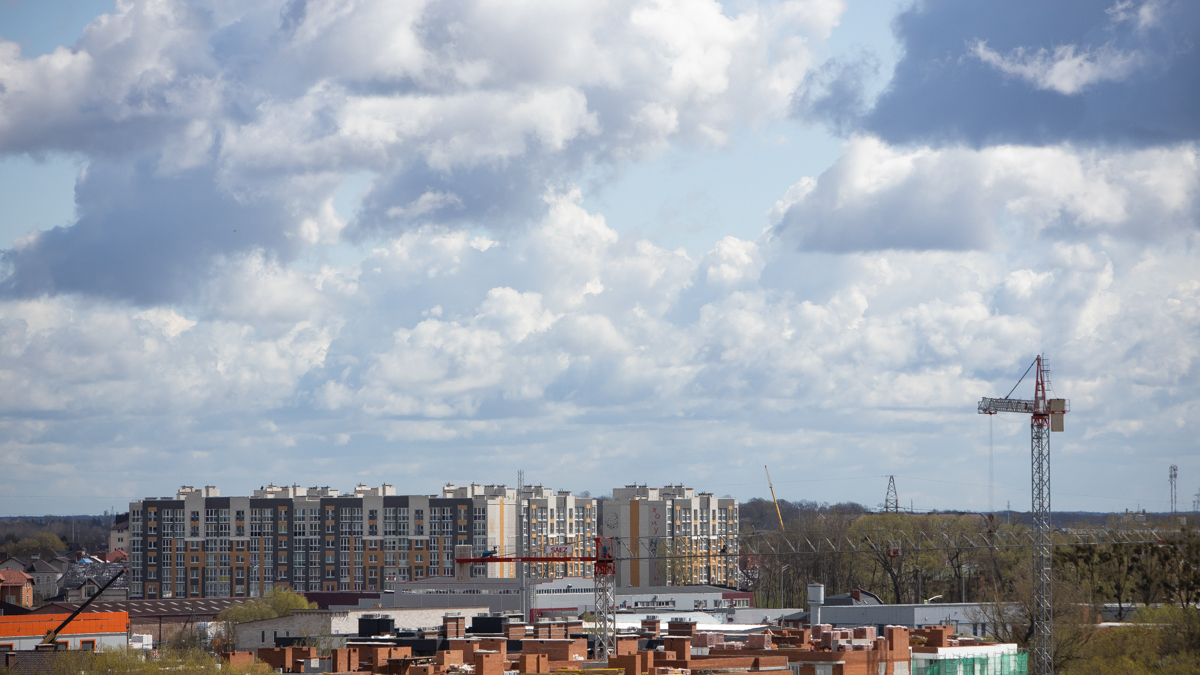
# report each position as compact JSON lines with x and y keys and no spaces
{"x":467,"y":647}
{"x":864,"y":633}
{"x":454,"y":626}
{"x":284,"y":658}
{"x":707,"y":639}
{"x":758,"y":641}
{"x":375,"y":659}
{"x":574,"y":628}
{"x":681,"y":647}
{"x":489,"y":663}
{"x":650,"y":628}
{"x":533,"y":664}
{"x":626,"y":644}
{"x":515,"y":630}
{"x":681,"y":628}
{"x":637,"y":663}
{"x":542,"y":630}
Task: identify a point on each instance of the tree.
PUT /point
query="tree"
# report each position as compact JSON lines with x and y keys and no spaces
{"x":280,"y":601}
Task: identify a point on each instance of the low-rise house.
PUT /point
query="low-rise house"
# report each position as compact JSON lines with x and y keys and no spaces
{"x":83,"y":580}
{"x":45,"y":576}
{"x":16,"y":588}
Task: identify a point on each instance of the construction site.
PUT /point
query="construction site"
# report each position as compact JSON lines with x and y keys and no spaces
{"x":646,"y":587}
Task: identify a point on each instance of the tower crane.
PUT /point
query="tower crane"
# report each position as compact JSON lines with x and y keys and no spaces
{"x":1046,"y":415}
{"x":604,"y":570}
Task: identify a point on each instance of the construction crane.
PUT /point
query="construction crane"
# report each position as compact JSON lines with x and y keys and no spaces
{"x":1046,"y":415}
{"x":50,"y":642}
{"x":604,"y":570}
{"x":773,"y":499}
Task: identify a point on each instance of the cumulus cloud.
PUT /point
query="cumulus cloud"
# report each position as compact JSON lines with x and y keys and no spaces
{"x":878,"y":196}
{"x":568,"y":336}
{"x":490,"y":319}
{"x":246,"y":117}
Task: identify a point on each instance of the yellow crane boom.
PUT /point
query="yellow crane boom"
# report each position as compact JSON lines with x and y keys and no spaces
{"x":777,"y":511}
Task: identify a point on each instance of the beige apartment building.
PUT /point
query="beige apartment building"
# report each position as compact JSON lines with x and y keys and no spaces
{"x":672,"y":536}
{"x":198,"y":543}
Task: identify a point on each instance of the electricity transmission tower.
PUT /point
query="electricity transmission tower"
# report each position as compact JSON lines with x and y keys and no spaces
{"x":891,"y":503}
{"x":1046,"y":415}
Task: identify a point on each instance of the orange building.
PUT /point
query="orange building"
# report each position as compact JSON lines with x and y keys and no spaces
{"x":16,"y":588}
{"x":88,"y":631}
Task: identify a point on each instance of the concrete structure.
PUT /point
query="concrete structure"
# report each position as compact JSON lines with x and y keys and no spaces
{"x":672,"y":536}
{"x":965,"y":618}
{"x":118,"y":533}
{"x":89,"y":631}
{"x":336,"y":625}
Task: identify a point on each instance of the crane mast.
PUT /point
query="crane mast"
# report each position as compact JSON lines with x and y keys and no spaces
{"x":1046,"y":415}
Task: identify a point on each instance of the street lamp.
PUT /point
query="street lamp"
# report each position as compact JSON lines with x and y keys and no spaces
{"x":781,"y":571}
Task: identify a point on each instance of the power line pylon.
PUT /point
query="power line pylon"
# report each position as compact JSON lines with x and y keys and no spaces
{"x":891,"y":503}
{"x":1174,"y":474}
{"x":1046,"y":415}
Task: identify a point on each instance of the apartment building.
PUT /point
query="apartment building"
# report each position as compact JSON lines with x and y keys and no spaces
{"x":672,"y":536}
{"x":200,"y":544}
{"x":538,"y":522}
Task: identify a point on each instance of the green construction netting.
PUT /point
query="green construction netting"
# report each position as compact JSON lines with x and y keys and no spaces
{"x":1001,"y":664}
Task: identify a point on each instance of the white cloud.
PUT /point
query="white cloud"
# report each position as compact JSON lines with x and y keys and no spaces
{"x":879,"y":196}
{"x":1067,"y":69}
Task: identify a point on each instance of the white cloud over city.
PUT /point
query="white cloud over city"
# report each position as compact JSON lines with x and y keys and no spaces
{"x":214,"y":315}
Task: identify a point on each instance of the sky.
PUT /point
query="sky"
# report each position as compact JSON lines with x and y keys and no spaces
{"x":331,"y":243}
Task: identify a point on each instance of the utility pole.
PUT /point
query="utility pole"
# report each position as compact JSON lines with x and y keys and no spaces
{"x":1046,"y":415}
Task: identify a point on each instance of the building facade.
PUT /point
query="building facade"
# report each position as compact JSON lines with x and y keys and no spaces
{"x":199,"y":544}
{"x":672,"y":536}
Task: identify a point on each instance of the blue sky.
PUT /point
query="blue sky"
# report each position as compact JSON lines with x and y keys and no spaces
{"x":656,"y":241}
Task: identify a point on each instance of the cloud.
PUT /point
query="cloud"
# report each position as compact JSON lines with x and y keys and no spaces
{"x":1040,"y":73}
{"x":202,"y":118}
{"x":1064,"y":71}
{"x":879,"y":197}
{"x":568,"y":336}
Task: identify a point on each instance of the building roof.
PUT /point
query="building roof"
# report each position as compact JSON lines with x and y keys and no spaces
{"x":98,"y":573}
{"x":39,"y":566}
{"x":14,"y":578}
{"x":36,"y":624}
{"x":201,"y":607}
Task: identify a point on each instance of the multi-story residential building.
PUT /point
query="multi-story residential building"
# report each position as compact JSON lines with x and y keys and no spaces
{"x":200,"y":544}
{"x":558,"y":524}
{"x":672,"y":536}
{"x":542,"y":522}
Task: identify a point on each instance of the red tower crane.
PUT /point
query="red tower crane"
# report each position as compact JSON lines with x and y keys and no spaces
{"x":604,"y":569}
{"x":1046,"y":416}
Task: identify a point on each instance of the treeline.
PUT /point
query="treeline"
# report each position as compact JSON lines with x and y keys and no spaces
{"x":89,"y":532}
{"x":1156,"y":582}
